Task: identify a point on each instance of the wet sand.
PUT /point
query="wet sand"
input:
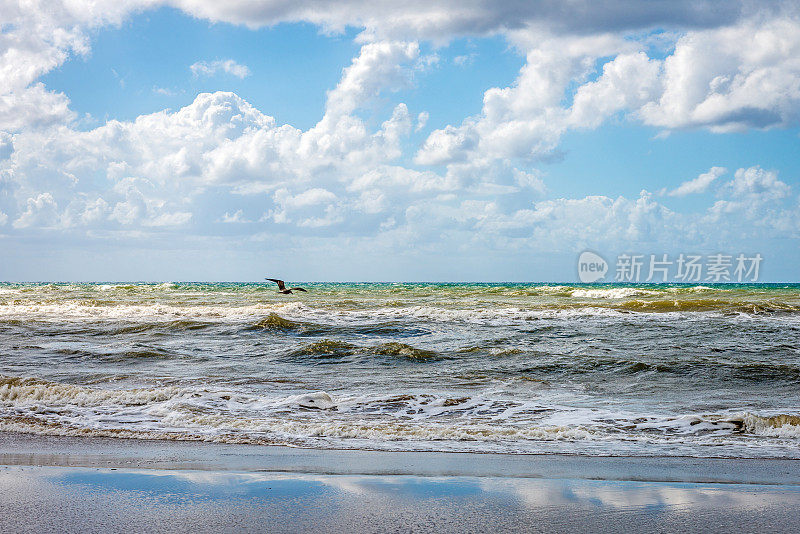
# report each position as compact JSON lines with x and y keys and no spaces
{"x":64,"y":484}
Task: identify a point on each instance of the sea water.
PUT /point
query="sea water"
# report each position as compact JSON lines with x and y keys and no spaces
{"x":698,"y":370}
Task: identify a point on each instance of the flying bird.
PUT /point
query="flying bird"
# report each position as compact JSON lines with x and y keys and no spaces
{"x":282,"y":287}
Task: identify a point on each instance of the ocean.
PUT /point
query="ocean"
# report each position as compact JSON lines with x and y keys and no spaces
{"x":610,"y":369}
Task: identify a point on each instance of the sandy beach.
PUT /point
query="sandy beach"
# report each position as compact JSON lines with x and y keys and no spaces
{"x":64,"y":484}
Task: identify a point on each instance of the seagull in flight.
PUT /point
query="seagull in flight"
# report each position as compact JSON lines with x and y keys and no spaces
{"x":282,"y":287}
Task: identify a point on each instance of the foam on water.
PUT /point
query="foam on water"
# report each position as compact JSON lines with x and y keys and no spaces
{"x":421,"y":421}
{"x":611,"y":293}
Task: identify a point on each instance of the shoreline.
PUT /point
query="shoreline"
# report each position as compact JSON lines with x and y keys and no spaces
{"x":91,"y":484}
{"x":22,"y":449}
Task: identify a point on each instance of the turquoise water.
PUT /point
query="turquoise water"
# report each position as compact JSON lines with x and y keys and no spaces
{"x":589,"y":369}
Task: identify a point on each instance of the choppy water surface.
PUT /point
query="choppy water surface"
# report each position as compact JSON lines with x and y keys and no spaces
{"x":593,"y":369}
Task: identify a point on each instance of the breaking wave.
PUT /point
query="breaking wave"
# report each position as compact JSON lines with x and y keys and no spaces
{"x":374,"y":421}
{"x":780,"y":426}
{"x":17,"y":391}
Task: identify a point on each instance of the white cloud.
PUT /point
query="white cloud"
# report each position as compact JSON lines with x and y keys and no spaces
{"x":527,"y":119}
{"x":530,"y":180}
{"x":756,"y":184}
{"x":313,"y":208}
{"x":464,"y":59}
{"x":378,"y":66}
{"x":163,"y":91}
{"x":448,"y":145}
{"x":33,"y":107}
{"x":236,"y":217}
{"x":311,"y":197}
{"x":732,"y":78}
{"x":6,"y":145}
{"x":422,"y":120}
{"x":42,"y":211}
{"x":570,"y":223}
{"x":229,"y":66}
{"x":627,"y":82}
{"x":699,"y":184}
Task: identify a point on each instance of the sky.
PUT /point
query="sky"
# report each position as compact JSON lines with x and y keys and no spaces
{"x":149,"y":140}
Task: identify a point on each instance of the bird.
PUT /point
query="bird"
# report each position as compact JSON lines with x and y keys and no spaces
{"x":282,"y":287}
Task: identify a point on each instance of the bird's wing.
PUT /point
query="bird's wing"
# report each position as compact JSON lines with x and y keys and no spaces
{"x":299,"y":289}
{"x":281,"y":285}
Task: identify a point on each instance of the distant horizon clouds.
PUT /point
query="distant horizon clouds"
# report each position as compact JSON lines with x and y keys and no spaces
{"x":360,"y":141}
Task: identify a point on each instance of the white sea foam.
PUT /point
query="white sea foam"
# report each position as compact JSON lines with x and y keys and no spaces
{"x":82,"y":310}
{"x":376,"y":421}
{"x":612,"y":293}
{"x":21,"y":392}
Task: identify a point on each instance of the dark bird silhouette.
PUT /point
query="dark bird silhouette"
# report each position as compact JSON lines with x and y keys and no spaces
{"x":282,"y":287}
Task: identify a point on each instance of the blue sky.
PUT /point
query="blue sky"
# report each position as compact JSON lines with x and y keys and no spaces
{"x":354,"y":142}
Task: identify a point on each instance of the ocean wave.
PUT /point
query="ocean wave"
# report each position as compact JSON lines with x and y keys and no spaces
{"x":611,"y":293}
{"x":94,"y":310}
{"x":400,"y":420}
{"x":25,"y":391}
{"x":288,"y":432}
{"x":768,"y":307}
{"x":705,"y":438}
{"x":784,"y":426}
{"x":376,"y":317}
{"x":780,"y":426}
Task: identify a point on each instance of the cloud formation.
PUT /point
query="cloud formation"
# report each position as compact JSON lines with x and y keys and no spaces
{"x":220,"y":166}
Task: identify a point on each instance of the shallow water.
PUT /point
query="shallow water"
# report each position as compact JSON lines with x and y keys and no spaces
{"x":590,"y":369}
{"x":70,"y":499}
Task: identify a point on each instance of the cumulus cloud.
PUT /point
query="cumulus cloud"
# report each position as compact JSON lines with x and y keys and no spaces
{"x":527,"y":119}
{"x":378,"y":66}
{"x":228,"y":66}
{"x":699,"y":184}
{"x":732,"y":78}
{"x":158,"y":165}
{"x":757,"y":184}
{"x":33,"y":107}
{"x":42,"y":210}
